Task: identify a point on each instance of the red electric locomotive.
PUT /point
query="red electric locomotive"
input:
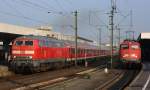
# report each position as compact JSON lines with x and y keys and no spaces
{"x":39,"y":53}
{"x":130,"y":52}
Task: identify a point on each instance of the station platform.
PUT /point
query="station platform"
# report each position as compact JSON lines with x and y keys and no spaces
{"x":4,"y":71}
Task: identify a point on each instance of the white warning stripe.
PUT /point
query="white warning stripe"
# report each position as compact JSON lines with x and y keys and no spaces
{"x":16,"y":52}
{"x":29,"y":52}
{"x":147,"y":82}
{"x":22,"y":52}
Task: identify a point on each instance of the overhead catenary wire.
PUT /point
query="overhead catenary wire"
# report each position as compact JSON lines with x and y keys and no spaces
{"x":23,"y":17}
{"x":61,"y":7}
{"x":124,"y":18}
{"x":98,"y":18}
{"x":39,"y":6}
{"x":121,"y":21}
{"x":53,"y":12}
{"x":30,"y":6}
{"x":67,"y":12}
{"x":33,"y":4}
{"x":36,"y":5}
{"x":69,"y":3}
{"x":12,"y":7}
{"x":48,"y":5}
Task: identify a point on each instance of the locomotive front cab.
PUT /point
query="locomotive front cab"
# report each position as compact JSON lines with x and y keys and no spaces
{"x":23,"y":52}
{"x":130,"y":52}
{"x":23,"y":49}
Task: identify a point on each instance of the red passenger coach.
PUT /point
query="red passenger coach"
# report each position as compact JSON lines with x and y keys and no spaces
{"x":39,"y":53}
{"x":130,"y":52}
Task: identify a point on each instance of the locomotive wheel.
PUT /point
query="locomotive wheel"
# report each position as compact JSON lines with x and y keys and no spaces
{"x":58,"y":65}
{"x":37,"y":69}
{"x":43,"y":67}
{"x":16,"y":70}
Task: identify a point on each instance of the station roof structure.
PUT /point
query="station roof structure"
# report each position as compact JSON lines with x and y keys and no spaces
{"x":13,"y":29}
{"x":144,"y":35}
{"x":8,"y":32}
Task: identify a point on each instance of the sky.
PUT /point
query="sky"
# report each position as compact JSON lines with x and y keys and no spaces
{"x":92,"y":16}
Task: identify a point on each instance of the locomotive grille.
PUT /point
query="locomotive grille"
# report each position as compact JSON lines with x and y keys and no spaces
{"x":22,"y":58}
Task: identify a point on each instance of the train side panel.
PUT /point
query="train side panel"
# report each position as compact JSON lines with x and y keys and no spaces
{"x":40,"y":53}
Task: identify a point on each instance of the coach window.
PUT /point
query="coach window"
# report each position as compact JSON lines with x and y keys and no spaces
{"x":29,"y":43}
{"x":18,"y":43}
{"x":78,"y":51}
{"x":82,"y":51}
{"x":58,"y":44}
{"x":73,"y":51}
{"x":88,"y":51}
{"x":47,"y":44}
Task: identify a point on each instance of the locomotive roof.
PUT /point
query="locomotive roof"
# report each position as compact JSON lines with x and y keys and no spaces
{"x":36,"y":37}
{"x":129,"y":42}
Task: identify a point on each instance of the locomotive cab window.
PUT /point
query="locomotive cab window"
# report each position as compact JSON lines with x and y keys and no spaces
{"x":135,"y":47}
{"x":124,"y":46}
{"x":29,"y":43}
{"x":19,"y":43}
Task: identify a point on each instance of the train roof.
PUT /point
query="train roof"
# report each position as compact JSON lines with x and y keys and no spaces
{"x":64,"y":43}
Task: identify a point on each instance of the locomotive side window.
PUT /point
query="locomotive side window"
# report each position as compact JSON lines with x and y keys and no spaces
{"x":41,"y":43}
{"x":29,"y":43}
{"x":124,"y":46}
{"x":19,"y":43}
{"x":46,"y":43}
{"x":57,"y":44}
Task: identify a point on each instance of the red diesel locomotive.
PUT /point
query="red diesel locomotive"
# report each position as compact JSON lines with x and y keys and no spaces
{"x":130,"y":52}
{"x":39,"y":53}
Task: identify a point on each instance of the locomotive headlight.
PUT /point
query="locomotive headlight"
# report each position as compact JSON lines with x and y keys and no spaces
{"x":14,"y":57}
{"x":136,"y":56}
{"x":133,"y":55}
{"x":125,"y":55}
{"x":30,"y":57}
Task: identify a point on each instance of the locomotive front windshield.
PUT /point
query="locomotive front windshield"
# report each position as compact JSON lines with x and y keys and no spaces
{"x":19,"y":43}
{"x":26,"y":43}
{"x":135,"y":47}
{"x":29,"y":43}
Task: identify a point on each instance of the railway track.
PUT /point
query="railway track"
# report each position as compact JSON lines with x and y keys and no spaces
{"x":87,"y":82}
{"x":110,"y":82}
{"x":120,"y":81}
{"x":25,"y":80}
{"x":114,"y":80}
{"x":40,"y":79}
{"x":57,"y":80}
{"x":97,"y":80}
